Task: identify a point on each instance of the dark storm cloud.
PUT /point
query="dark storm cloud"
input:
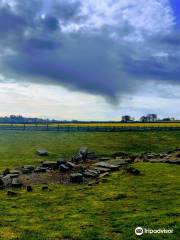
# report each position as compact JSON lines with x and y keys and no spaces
{"x":50,"y":23}
{"x":32,"y":45}
{"x":66,"y":10}
{"x":153,"y":69}
{"x":90,"y":60}
{"x":72,"y":65}
{"x":10,"y":22}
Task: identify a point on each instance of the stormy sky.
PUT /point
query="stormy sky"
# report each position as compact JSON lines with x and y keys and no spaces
{"x":89,"y":59}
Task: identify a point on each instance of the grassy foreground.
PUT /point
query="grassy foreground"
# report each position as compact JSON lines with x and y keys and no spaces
{"x":108,"y":211}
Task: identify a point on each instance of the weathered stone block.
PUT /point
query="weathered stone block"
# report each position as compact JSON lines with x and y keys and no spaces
{"x":76,"y":178}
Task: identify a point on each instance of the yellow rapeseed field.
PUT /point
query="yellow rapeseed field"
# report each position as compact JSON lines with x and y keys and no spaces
{"x":103,"y":124}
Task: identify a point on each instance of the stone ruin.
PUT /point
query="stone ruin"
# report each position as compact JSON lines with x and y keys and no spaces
{"x":83,"y":167}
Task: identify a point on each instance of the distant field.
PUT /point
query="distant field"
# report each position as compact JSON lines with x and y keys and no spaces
{"x":131,"y":124}
{"x":110,"y":210}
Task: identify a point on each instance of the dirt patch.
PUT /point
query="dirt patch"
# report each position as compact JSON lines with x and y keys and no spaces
{"x":50,"y":176}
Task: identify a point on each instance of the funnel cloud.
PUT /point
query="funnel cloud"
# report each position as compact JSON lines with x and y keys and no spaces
{"x":107,"y":48}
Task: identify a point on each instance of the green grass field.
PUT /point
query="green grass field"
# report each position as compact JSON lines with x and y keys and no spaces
{"x":108,"y":211}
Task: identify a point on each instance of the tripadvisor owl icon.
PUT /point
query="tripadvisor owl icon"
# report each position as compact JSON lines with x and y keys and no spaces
{"x":139,"y":231}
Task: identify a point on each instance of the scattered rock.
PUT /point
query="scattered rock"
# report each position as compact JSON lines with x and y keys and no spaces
{"x":91,"y":173}
{"x":177,"y":149}
{"x":12,"y":175}
{"x":6,"y":171}
{"x":133,"y":170}
{"x":42,"y":152}
{"x":61,"y":161}
{"x":17,"y":172}
{"x":133,"y":157}
{"x":102,"y":175}
{"x":85,"y":171}
{"x":11,"y":194}
{"x":63,"y":168}
{"x":16,"y":183}
{"x":31,"y":167}
{"x":52,"y":165}
{"x":107,"y":165}
{"x":40,"y":170}
{"x":29,"y":189}
{"x":70,"y":165}
{"x":150,"y":156}
{"x":83,"y":152}
{"x":76,"y":178}
{"x":77,"y":158}
{"x":27,"y":169}
{"x":7,"y":180}
{"x":104,"y":159}
{"x":169,"y":152}
{"x":173,"y":161}
{"x":1,"y":184}
{"x":102,"y":170}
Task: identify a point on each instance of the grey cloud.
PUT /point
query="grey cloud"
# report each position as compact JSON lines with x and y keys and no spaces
{"x":73,"y":65}
{"x":66,"y":10}
{"x":10,"y":22}
{"x":32,"y":45}
{"x":50,"y":23}
{"x":89,"y":61}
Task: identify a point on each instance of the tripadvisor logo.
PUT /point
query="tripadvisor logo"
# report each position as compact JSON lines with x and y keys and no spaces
{"x":140,"y":231}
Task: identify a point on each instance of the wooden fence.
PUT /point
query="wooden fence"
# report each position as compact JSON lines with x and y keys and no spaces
{"x":49,"y":127}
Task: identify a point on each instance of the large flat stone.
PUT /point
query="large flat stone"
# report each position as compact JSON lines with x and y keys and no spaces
{"x":31,"y":167}
{"x":91,"y":173}
{"x":7,"y":180}
{"x":12,"y":175}
{"x":64,"y":168}
{"x":27,"y":171}
{"x":49,"y":164}
{"x":70,"y":165}
{"x":40,"y":170}
{"x":15,"y":172}
{"x":107,"y":165}
{"x":16,"y":183}
{"x":102,"y":170}
{"x":42,"y":152}
{"x":104,"y":175}
{"x":76,"y":178}
{"x":173,"y":161}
